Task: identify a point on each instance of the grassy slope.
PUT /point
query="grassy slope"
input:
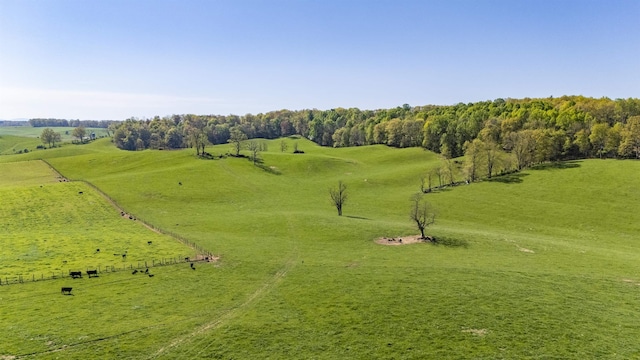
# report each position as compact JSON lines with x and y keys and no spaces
{"x":296,"y":281}
{"x":10,"y":144}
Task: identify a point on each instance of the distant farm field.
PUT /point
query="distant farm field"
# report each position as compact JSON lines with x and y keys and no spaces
{"x":540,"y":264}
{"x":32,"y":132}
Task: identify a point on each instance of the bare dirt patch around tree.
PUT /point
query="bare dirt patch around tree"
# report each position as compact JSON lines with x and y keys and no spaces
{"x":403,"y":240}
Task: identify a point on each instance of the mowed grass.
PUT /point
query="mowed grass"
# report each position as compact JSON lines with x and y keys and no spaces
{"x":550,"y":268}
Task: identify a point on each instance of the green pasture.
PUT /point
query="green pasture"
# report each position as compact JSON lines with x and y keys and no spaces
{"x":34,"y":132}
{"x":543,"y":264}
{"x":10,"y":144}
{"x":51,"y":227}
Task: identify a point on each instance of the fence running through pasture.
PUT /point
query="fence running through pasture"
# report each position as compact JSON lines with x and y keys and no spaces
{"x":201,"y":254}
{"x":141,"y":265}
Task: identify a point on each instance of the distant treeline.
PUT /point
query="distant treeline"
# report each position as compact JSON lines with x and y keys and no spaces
{"x":13,"y":123}
{"x":71,"y":123}
{"x":554,"y":128}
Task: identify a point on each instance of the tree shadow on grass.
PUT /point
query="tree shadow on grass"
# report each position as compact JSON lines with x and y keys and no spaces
{"x":452,"y":242}
{"x":558,"y":165}
{"x":513,"y":178}
{"x":259,"y":163}
{"x":357,"y":217}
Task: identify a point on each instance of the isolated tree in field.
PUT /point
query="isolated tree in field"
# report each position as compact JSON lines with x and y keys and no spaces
{"x":283,"y":146}
{"x":80,"y":132}
{"x":421,"y":213}
{"x":254,"y":147}
{"x":50,"y":137}
{"x":236,"y":139}
{"x":339,"y":196}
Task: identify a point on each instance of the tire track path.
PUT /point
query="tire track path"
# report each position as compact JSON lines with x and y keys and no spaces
{"x":231,"y":313}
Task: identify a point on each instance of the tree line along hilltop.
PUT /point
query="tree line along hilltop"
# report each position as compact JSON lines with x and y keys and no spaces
{"x":531,"y":130}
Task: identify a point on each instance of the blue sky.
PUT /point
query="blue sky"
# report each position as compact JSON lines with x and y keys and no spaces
{"x":113,"y":59}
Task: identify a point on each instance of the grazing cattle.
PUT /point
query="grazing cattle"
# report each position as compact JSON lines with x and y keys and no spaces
{"x":97,"y":250}
{"x":193,"y":266}
{"x":80,"y":192}
{"x":149,"y":242}
{"x":124,"y":256}
{"x":146,"y":271}
{"x":75,"y":274}
{"x":400,"y":241}
{"x":151,"y":275}
{"x":186,"y":259}
{"x":92,"y":273}
{"x":134,"y":272}
{"x":180,"y":183}
{"x":66,"y":290}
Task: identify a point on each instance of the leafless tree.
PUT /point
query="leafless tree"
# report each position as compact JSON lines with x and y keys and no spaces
{"x":421,"y":213}
{"x":339,"y":196}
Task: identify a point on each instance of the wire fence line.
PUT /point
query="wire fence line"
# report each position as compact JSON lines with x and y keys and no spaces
{"x":101,"y":269}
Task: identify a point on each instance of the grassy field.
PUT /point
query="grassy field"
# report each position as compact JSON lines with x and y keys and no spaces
{"x":14,"y":139}
{"x":34,"y":132}
{"x":549,"y":268}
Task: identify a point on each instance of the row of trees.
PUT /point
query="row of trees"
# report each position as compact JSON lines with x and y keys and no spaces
{"x":566,"y":127}
{"x":39,"y":122}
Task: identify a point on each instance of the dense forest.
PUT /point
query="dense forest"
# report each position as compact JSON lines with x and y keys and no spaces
{"x":531,"y":130}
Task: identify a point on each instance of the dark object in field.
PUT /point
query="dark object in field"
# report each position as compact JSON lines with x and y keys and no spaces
{"x":134,"y":272}
{"x":80,"y":192}
{"x":400,"y":241}
{"x":180,"y":183}
{"x":92,"y":273}
{"x":75,"y":274}
{"x":146,"y":271}
{"x":193,"y":266}
{"x":186,"y":259}
{"x":149,"y":242}
{"x":151,"y":275}
{"x":124,"y":256}
{"x":97,"y":250}
{"x":66,"y":291}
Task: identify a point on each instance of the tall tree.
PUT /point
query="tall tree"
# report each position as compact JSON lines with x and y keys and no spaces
{"x":80,"y":132}
{"x":472,"y":152}
{"x":421,"y":213}
{"x":339,"y":196}
{"x":50,"y":137}
{"x":236,"y":139}
{"x":491,"y":156}
{"x":630,"y":143}
{"x":598,"y":137}
{"x":254,"y":148}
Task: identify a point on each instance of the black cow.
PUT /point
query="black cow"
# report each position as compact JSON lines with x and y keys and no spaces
{"x":66,"y":290}
{"x":75,"y":274}
{"x":92,"y":273}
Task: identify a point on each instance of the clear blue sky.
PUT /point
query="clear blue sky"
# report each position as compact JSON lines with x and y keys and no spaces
{"x":114,"y":59}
